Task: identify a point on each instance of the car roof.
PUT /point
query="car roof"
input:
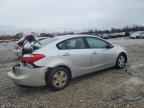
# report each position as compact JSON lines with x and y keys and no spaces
{"x":63,"y":37}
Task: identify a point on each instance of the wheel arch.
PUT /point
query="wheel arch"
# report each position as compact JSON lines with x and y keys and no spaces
{"x":49,"y":69}
{"x":66,"y":68}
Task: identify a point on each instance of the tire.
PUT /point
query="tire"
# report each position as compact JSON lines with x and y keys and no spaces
{"x":58,"y":78}
{"x":121,"y":61}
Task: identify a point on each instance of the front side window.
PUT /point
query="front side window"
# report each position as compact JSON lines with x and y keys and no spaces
{"x":96,"y":43}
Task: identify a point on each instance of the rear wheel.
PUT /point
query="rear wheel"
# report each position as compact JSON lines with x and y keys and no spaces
{"x":58,"y":78}
{"x":121,"y":61}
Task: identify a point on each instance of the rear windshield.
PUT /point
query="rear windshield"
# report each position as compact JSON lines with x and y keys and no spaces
{"x":45,"y":42}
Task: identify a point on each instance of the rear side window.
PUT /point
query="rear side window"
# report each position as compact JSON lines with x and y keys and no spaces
{"x":61,"y":45}
{"x":74,"y":43}
{"x":96,"y":43}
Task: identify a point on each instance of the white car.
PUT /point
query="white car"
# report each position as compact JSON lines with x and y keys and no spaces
{"x":135,"y":35}
{"x":142,"y":36}
{"x":66,"y":57}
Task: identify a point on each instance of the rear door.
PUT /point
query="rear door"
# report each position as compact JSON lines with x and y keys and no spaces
{"x":75,"y":53}
{"x":101,"y":55}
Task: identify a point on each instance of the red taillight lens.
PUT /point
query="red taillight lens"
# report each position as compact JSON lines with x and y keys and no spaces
{"x":32,"y":57}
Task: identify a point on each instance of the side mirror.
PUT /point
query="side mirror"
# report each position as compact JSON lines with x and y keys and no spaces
{"x":109,"y":46}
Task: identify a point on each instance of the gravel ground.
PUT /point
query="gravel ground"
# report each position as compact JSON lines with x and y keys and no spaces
{"x":111,"y":88}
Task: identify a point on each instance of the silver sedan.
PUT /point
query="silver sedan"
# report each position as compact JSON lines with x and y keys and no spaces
{"x":66,"y":57}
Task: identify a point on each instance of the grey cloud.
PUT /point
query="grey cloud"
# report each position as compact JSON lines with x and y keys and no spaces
{"x":71,"y":14}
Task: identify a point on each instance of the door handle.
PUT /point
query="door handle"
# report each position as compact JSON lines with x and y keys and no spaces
{"x":94,"y":53}
{"x":66,"y":54}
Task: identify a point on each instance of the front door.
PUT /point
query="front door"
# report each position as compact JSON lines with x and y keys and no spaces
{"x":101,"y":55}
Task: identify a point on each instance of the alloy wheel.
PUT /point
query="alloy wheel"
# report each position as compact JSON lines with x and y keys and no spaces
{"x":121,"y":61}
{"x":59,"y":79}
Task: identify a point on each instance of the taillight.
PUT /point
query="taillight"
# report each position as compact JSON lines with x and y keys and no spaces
{"x":31,"y":57}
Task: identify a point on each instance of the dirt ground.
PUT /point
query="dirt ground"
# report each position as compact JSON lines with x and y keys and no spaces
{"x":110,"y":88}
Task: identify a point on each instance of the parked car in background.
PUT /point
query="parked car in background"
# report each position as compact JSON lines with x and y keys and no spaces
{"x":23,"y":46}
{"x":122,"y":34}
{"x":142,"y":35}
{"x":135,"y":35}
{"x":115,"y":35}
{"x":66,"y":57}
{"x":99,"y":35}
{"x":105,"y":36}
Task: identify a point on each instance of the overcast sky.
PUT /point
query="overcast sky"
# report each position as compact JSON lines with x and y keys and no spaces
{"x":58,"y":15}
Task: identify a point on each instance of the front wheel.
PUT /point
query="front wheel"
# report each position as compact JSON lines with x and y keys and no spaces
{"x":58,"y":78}
{"x":121,"y":61}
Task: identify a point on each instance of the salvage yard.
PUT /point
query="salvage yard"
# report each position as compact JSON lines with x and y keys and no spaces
{"x":110,"y":88}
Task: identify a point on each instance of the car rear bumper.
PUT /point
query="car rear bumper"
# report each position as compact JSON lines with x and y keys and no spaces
{"x":25,"y":76}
